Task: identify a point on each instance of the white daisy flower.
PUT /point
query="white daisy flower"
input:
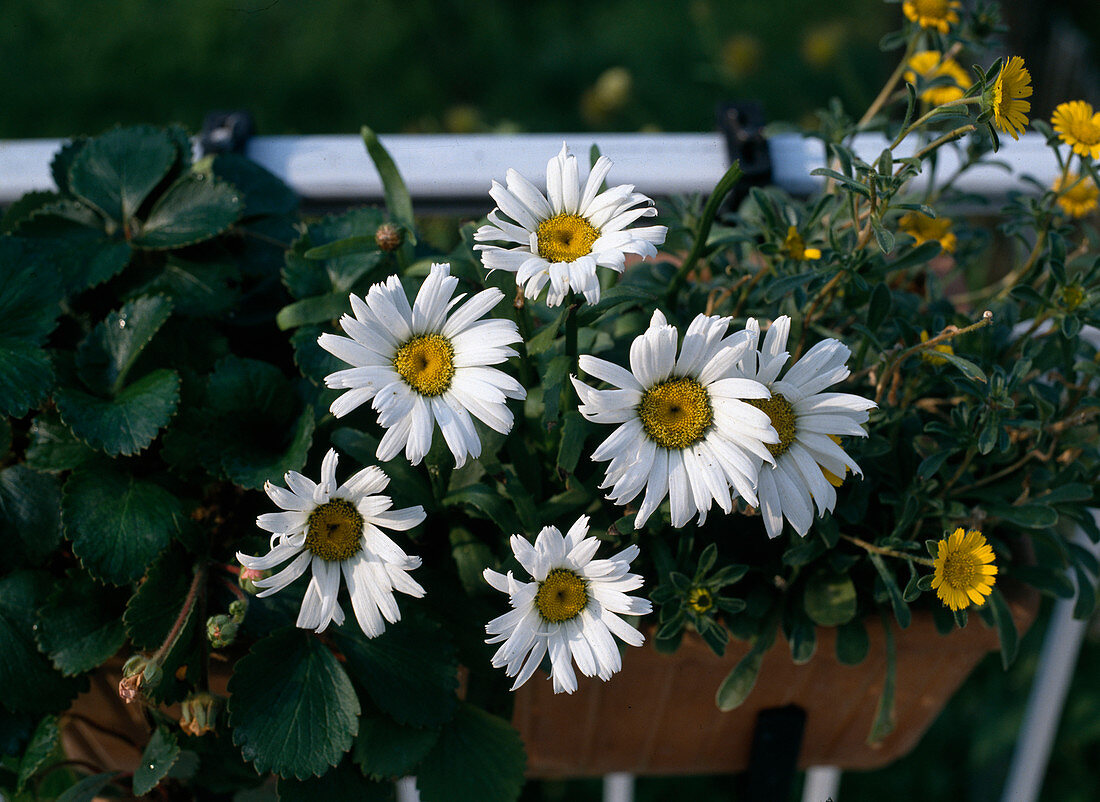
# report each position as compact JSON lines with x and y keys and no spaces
{"x":808,"y":461}
{"x":562,"y":236}
{"x":685,"y":429}
{"x":338,"y":529}
{"x":570,"y":610}
{"x":425,"y":365}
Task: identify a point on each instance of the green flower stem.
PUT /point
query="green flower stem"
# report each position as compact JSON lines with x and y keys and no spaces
{"x":710,"y":211}
{"x":523,"y":323}
{"x":963,"y":101}
{"x":1020,"y":274}
{"x":888,"y":87}
{"x":184,"y":614}
{"x":885,"y":552}
{"x":570,"y":325}
{"x":951,"y":136}
{"x":948,"y":333}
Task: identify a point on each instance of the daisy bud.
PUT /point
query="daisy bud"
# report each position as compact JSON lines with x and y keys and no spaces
{"x":139,"y":674}
{"x":199,"y":713}
{"x":248,"y":577}
{"x":221,"y":630}
{"x":237,"y":609}
{"x":388,"y":237}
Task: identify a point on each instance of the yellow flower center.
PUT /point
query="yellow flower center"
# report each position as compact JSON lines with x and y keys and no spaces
{"x":561,"y":596}
{"x":782,"y":416}
{"x":960,"y":570}
{"x":426,"y":363}
{"x":700,"y":600}
{"x":676,"y":413}
{"x":936,"y":9}
{"x":1073,"y":295}
{"x":565,"y":238}
{"x":335,"y":530}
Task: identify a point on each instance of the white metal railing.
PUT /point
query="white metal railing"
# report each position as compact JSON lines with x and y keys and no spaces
{"x":459,"y":168}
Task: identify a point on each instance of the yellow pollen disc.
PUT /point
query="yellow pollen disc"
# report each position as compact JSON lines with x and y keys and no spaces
{"x":781,"y":412}
{"x":676,"y":414}
{"x":960,"y":570}
{"x":565,"y":238}
{"x":561,"y":596}
{"x":426,"y":363}
{"x":335,"y":530}
{"x":700,"y":600}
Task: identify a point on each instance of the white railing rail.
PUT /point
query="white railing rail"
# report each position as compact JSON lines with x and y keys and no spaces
{"x":458,"y":169}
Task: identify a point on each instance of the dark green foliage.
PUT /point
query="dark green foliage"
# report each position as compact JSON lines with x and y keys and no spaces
{"x":292,"y":706}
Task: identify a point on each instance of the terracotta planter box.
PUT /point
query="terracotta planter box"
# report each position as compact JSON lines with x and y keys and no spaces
{"x":658,"y":715}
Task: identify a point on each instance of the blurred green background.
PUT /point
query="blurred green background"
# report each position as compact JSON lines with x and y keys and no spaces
{"x":329,"y":66}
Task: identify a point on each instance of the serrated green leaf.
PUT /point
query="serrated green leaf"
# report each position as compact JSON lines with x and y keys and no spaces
{"x":478,"y":758}
{"x":489,"y":503}
{"x":70,"y":238}
{"x":26,"y":377}
{"x":29,"y":307}
{"x":53,"y":446}
{"x":421,"y":698}
{"x":385,"y":748}
{"x":79,"y":627}
{"x":343,"y":782}
{"x":116,"y":172}
{"x":305,"y":278}
{"x":28,"y":683}
{"x":253,"y":422}
{"x":830,"y":598}
{"x":192,"y":210}
{"x":153,"y":608}
{"x":106,"y":356}
{"x":43,"y":742}
{"x":312,"y":360}
{"x":264,"y":193}
{"x":30,"y":512}
{"x":118,"y":524}
{"x":161,"y":753}
{"x":196,"y":289}
{"x":88,"y":789}
{"x":127,"y":423}
{"x":24,"y":208}
{"x":292,"y":707}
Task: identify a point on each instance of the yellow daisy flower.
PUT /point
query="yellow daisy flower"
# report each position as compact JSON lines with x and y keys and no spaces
{"x":963,"y":571}
{"x":938,"y":14}
{"x":1078,"y":126}
{"x":796,"y":249}
{"x":1009,"y":107}
{"x":931,"y":65}
{"x":1076,"y":198}
{"x":929,"y":356}
{"x":923,"y":228}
